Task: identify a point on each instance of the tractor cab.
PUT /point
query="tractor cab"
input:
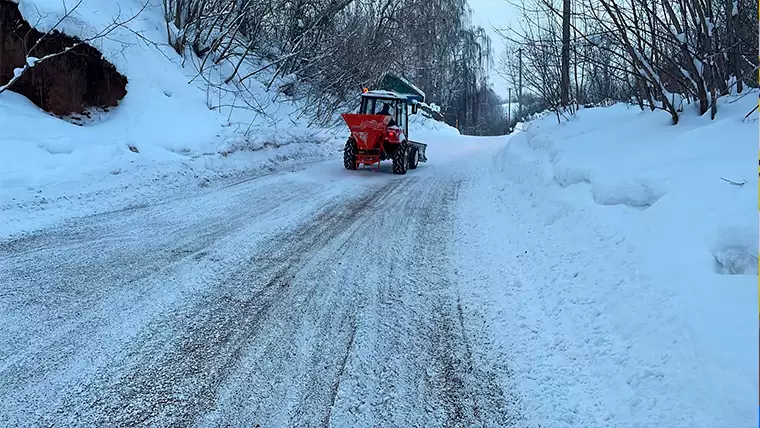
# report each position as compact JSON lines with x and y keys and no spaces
{"x":398,"y":106}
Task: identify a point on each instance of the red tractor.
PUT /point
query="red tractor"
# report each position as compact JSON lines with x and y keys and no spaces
{"x":380,"y":131}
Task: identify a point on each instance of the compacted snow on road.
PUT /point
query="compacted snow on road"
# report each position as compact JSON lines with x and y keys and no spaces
{"x":321,"y":297}
{"x":479,"y":290}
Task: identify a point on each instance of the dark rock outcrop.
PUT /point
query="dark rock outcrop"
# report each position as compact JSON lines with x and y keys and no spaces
{"x":64,"y":85}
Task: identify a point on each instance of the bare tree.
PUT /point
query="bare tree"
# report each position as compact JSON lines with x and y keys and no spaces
{"x":661,"y":52}
{"x":332,"y":47}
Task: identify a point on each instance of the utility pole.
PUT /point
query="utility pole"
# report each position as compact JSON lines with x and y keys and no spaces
{"x":565,"y":67}
{"x":509,"y":109}
{"x":519,"y":83}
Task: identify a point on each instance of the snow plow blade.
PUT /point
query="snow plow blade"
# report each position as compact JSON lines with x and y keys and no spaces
{"x":420,"y":148}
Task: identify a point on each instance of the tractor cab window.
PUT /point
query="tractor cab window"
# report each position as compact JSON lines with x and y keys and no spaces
{"x":387,"y":108}
{"x":403,"y":117}
{"x":398,"y":110}
{"x":368,"y":106}
{"x":378,"y":106}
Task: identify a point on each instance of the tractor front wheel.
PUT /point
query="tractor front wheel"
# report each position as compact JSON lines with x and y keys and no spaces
{"x":400,"y":159}
{"x":414,"y":158}
{"x":349,"y":154}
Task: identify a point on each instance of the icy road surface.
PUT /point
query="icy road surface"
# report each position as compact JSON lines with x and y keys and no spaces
{"x":474,"y":291}
{"x":322,"y":297}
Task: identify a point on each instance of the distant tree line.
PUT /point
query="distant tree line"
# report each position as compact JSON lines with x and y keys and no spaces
{"x":659,"y":54}
{"x":329,"y":49}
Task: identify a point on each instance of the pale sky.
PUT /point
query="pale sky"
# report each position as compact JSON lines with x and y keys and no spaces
{"x":489,"y":14}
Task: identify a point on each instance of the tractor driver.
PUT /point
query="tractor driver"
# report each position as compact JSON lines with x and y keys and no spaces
{"x":386,"y":111}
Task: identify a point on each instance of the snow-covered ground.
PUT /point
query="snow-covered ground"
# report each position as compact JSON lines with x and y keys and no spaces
{"x":171,"y":136}
{"x":183,"y":263}
{"x":618,"y":270}
{"x":598,"y":273}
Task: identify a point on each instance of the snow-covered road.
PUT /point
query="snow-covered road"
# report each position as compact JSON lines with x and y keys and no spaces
{"x":314,"y":298}
{"x":473,"y":291}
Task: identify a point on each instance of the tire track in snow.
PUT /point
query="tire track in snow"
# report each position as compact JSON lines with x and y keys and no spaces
{"x":469,"y":395}
{"x":178,"y":382}
{"x":128,"y":273}
{"x":339,"y":375}
{"x":320,"y":336}
{"x":349,"y":318}
{"x":412,"y":365}
{"x":64,"y":283}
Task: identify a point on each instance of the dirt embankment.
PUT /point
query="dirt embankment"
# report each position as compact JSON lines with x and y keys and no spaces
{"x":63,"y":85}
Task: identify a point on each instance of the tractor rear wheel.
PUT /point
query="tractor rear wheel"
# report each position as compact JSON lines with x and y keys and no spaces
{"x":349,"y":154}
{"x":399,"y":158}
{"x":414,"y":158}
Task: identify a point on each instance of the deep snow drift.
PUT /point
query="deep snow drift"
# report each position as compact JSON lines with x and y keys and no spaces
{"x":619,"y":268}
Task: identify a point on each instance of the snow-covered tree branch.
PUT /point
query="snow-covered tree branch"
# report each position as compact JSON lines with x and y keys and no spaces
{"x":321,"y":51}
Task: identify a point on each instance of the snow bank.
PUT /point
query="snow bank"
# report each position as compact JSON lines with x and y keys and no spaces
{"x":681,"y":175}
{"x":45,"y":179}
{"x":422,"y":126}
{"x":159,"y":104}
{"x":624,"y":289}
{"x":51,"y":169}
{"x":168,"y":104}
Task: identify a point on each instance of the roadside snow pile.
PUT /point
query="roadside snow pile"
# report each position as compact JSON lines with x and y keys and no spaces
{"x":51,"y":169}
{"x":421,"y":126}
{"x":696,"y":181}
{"x":625,"y":252}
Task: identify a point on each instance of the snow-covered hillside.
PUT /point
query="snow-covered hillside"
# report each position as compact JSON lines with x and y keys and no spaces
{"x":619,"y":262}
{"x":170,"y":135}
